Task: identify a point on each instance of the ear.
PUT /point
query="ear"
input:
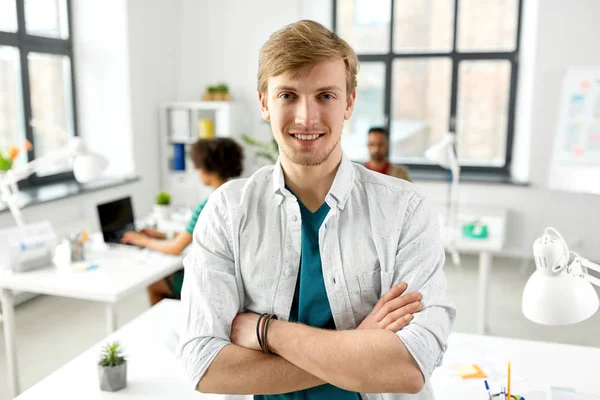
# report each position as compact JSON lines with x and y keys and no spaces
{"x":350,"y":105}
{"x":264,"y":108}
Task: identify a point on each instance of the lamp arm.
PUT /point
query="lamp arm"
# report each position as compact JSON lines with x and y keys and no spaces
{"x":453,"y":206}
{"x":7,"y":192}
{"x":33,"y":166}
{"x":595,"y":267}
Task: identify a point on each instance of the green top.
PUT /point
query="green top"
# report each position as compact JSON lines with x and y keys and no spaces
{"x":311,"y":305}
{"x":178,"y":276}
{"x":192,"y":222}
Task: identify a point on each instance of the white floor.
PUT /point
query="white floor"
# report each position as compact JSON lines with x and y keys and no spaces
{"x":51,"y":331}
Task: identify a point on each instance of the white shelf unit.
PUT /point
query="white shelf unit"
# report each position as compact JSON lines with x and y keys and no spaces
{"x":178,"y":122}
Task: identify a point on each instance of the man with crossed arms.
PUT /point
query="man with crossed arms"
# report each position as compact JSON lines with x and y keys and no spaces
{"x":314,"y":241}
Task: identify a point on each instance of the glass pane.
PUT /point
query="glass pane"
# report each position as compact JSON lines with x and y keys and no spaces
{"x":12,"y":130}
{"x":365,"y":24}
{"x":51,"y":104}
{"x":420,"y":107}
{"x":47,"y":18}
{"x":487,"y":25}
{"x":8,"y":15}
{"x":423,"y":26}
{"x":482,"y":115}
{"x":368,"y":110}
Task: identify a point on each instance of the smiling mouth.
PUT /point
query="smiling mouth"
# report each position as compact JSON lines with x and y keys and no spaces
{"x":307,"y":137}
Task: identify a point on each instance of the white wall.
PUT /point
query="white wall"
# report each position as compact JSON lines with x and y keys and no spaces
{"x":154,"y":53}
{"x":125,"y":57}
{"x":220,"y":42}
{"x":101,"y":67}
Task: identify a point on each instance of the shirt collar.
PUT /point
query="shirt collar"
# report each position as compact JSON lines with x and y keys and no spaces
{"x":340,"y":189}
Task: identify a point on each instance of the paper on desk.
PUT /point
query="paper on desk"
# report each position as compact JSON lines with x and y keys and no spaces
{"x":492,"y":365}
{"x":558,"y":394}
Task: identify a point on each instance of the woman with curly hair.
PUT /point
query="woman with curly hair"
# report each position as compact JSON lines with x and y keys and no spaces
{"x":217,"y":160}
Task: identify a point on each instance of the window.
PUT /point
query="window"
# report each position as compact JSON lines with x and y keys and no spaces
{"x":37,"y":96}
{"x":428,"y":67}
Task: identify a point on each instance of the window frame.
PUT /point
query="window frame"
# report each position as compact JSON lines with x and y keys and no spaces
{"x":25,"y":44}
{"x":456,"y":57}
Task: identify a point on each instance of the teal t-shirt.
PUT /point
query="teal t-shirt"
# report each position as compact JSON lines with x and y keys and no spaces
{"x":311,"y":305}
{"x":192,"y":222}
{"x":178,"y":276}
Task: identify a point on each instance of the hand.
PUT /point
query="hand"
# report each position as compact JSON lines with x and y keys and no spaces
{"x":243,"y":331}
{"x":153,"y":233}
{"x":135,"y":238}
{"x":394,"y":310}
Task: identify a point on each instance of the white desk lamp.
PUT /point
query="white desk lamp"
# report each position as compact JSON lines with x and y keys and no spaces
{"x":560,"y":291}
{"x":444,"y":155}
{"x":86,"y":167}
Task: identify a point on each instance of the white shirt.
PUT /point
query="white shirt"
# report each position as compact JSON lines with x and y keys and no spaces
{"x":246,"y":255}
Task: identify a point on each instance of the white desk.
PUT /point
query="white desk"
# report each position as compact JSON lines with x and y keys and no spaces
{"x":495,"y":218}
{"x":535,"y":367}
{"x":121,"y":271}
{"x":153,"y":373}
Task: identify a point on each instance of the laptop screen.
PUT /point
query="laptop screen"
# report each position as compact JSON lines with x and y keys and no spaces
{"x":116,"y":218}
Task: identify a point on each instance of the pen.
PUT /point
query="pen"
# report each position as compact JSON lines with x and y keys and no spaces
{"x":487,"y":387}
{"x":508,"y":385}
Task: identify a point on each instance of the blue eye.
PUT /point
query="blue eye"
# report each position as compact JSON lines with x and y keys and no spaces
{"x":285,"y":96}
{"x":327,"y":96}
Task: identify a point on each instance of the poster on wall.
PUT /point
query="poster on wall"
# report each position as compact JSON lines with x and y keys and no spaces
{"x":575,"y":164}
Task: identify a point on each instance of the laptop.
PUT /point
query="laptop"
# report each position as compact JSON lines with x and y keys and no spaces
{"x":116,"y":218}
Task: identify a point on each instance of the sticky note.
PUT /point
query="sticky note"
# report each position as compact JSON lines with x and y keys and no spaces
{"x":471,"y":371}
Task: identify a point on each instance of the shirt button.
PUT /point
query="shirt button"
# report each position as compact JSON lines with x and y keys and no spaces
{"x":288,"y":272}
{"x":295,"y":218}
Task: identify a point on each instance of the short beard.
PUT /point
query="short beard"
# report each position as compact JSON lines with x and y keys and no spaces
{"x":378,"y":158}
{"x":298,"y":158}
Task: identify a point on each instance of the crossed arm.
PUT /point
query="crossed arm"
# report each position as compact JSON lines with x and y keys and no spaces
{"x":309,"y":357}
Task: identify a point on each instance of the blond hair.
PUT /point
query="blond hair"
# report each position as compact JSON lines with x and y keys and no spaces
{"x":301,"y":44}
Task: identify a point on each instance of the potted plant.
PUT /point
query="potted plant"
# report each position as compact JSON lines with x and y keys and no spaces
{"x":218,"y":92}
{"x":162,"y":208}
{"x":112,"y":368}
{"x":7,"y":161}
{"x":267,"y":150}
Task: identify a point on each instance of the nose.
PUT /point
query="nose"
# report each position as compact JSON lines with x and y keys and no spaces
{"x":307,"y":112}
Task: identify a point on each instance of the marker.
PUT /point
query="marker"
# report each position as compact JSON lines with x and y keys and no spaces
{"x":88,"y":268}
{"x":487,"y":387}
{"x":508,"y":386}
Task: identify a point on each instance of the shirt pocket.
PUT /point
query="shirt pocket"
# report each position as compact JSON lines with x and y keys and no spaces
{"x":370,"y":289}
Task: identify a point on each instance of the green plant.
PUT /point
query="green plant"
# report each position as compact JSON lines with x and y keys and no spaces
{"x":5,"y":162}
{"x":267,"y":150}
{"x":220,"y":89}
{"x":112,"y":355}
{"x":163,"y":199}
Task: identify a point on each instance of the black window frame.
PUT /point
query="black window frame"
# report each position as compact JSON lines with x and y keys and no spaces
{"x":456,"y":57}
{"x":26,"y":44}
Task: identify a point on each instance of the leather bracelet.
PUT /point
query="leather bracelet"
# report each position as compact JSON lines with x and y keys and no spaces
{"x":266,"y":330}
{"x":258,"y":329}
{"x":262,"y":333}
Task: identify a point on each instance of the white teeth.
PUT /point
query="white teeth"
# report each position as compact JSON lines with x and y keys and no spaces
{"x":306,"y":137}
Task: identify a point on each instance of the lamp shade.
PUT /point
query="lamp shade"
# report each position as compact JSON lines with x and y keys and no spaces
{"x":87,"y":167}
{"x":442,"y":153}
{"x":558,"y":299}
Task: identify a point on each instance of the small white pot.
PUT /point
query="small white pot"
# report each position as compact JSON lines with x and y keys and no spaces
{"x":162,"y":213}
